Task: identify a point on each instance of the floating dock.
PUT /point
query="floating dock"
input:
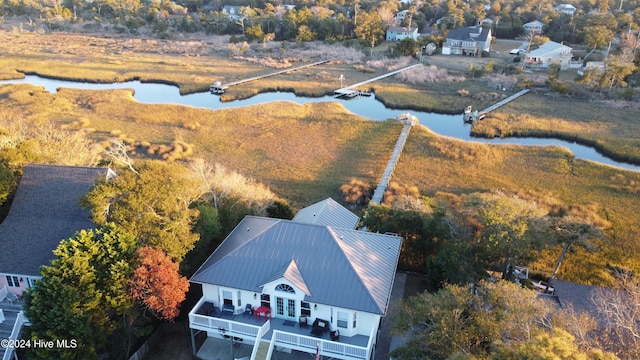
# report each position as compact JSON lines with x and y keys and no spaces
{"x":350,"y":91}
{"x":470,"y":116}
{"x":218,"y":88}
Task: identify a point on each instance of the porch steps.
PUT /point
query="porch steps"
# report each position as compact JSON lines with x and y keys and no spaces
{"x":263,"y":350}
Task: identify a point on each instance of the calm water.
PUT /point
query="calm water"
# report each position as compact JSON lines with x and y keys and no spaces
{"x":447,"y":125}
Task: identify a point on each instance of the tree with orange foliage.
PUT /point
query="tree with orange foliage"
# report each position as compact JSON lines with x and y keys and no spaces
{"x":157,"y":283}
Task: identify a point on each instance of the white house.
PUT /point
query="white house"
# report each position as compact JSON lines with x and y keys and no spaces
{"x":566,"y":9}
{"x":401,"y":15}
{"x":397,"y":33}
{"x":44,"y":212}
{"x":549,"y":53}
{"x":315,"y":281}
{"x":232,"y":11}
{"x":471,"y":41}
{"x":534,"y":27}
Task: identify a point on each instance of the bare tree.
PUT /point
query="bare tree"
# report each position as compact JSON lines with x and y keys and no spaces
{"x":118,"y":152}
{"x":621,"y":310}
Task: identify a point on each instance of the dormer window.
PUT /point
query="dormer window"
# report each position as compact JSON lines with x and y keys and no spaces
{"x":285,"y":288}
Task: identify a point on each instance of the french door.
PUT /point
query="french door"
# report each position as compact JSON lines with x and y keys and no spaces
{"x":285,"y":308}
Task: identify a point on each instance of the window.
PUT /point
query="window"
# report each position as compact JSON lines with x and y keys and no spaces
{"x":227,"y":297}
{"x":239,"y":299}
{"x":305,"y":308}
{"x":265,"y":300}
{"x":354,"y":319}
{"x":342,"y":319}
{"x":285,"y":288}
{"x":12,"y":281}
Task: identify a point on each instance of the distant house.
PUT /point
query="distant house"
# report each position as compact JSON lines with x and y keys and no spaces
{"x":44,"y":212}
{"x":534,"y":27}
{"x":549,"y":53}
{"x":470,"y":41}
{"x":566,"y":9}
{"x":232,"y":11}
{"x":311,"y":284}
{"x":396,"y":33}
{"x":401,"y":15}
{"x":406,"y":2}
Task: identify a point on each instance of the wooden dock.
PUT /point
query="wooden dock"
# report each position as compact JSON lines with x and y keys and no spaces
{"x":349,"y":91}
{"x":478,"y":115}
{"x":409,"y":120}
{"x":219,"y":88}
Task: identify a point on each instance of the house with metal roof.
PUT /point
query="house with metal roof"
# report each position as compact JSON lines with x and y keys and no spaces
{"x":399,"y":33}
{"x":311,"y":284}
{"x":566,"y":9}
{"x":533,"y":27}
{"x":469,"y":41}
{"x":45,"y":211}
{"x":549,"y":53}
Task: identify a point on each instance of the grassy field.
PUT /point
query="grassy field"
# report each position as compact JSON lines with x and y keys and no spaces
{"x":304,"y":153}
{"x":437,"y":164}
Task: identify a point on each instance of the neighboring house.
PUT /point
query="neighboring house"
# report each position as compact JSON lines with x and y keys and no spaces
{"x":232,"y":11}
{"x":470,"y":41}
{"x":401,"y":15}
{"x":396,"y":33}
{"x":315,"y":274}
{"x":44,"y":212}
{"x":486,"y":23}
{"x":534,"y":27}
{"x":549,"y":53}
{"x":406,"y":2}
{"x":567,"y":9}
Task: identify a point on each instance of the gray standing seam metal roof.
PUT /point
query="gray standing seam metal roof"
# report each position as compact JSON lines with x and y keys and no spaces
{"x":327,"y":212}
{"x":464,"y":34}
{"x":340,"y":267}
{"x":45,"y":211}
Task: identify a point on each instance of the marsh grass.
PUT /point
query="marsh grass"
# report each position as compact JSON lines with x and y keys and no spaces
{"x":303,"y":152}
{"x":441,"y":164}
{"x":612,"y":131}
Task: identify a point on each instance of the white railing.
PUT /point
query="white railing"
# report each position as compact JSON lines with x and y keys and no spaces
{"x":15,"y":333}
{"x":330,"y":348}
{"x":228,"y":327}
{"x":374,"y":329}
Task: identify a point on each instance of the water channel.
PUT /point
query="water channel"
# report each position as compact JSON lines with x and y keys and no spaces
{"x":446,"y":125}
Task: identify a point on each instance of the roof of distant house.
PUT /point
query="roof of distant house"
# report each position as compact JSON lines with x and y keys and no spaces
{"x":44,"y":212}
{"x":548,"y":48}
{"x":401,"y":29}
{"x":333,"y":266}
{"x":472,"y":33}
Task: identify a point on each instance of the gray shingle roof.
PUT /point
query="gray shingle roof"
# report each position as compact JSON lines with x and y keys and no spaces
{"x":327,"y":212}
{"x":45,"y":211}
{"x":339,"y":267}
{"x":472,"y":33}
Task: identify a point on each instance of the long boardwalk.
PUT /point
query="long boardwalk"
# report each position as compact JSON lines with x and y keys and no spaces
{"x":409,"y":121}
{"x":349,"y":90}
{"x":219,"y":88}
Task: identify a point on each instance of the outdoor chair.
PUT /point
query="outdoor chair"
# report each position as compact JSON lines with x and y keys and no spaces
{"x":11,"y":297}
{"x":248,"y":310}
{"x":302,"y":321}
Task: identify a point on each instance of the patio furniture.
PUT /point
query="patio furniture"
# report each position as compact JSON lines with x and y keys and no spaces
{"x":302,"y":321}
{"x":335,"y":335}
{"x":319,"y":327}
{"x":248,"y":310}
{"x":11,"y":297}
{"x":262,"y":311}
{"x":228,"y":309}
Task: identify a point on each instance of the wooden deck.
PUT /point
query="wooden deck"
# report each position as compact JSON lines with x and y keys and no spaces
{"x":219,"y":88}
{"x":350,"y":91}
